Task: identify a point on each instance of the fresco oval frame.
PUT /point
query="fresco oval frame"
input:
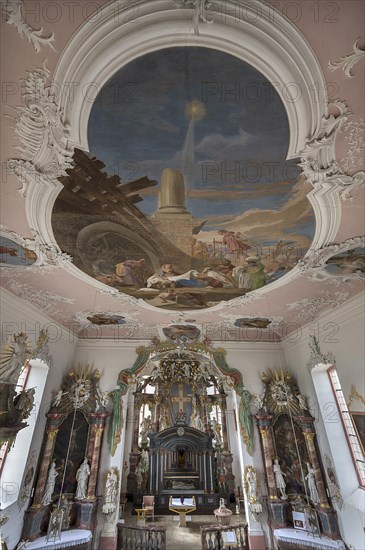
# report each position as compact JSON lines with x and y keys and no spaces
{"x":97,"y":51}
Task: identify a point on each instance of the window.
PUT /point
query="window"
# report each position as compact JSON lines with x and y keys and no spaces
{"x":21,"y":385}
{"x":13,"y":467}
{"x":349,"y":428}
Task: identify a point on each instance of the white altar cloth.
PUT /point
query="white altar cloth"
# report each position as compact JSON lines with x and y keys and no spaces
{"x":67,"y":540}
{"x":301,"y":537}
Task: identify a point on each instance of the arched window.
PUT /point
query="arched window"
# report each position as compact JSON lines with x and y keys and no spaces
{"x":21,"y":385}
{"x":348,"y":425}
{"x":13,"y":468}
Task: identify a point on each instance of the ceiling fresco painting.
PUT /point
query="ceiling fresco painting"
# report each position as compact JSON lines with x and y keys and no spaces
{"x":348,"y":262}
{"x":186,"y":199}
{"x":13,"y":254}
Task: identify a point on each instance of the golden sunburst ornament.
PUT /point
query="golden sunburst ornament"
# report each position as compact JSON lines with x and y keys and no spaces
{"x":281,"y":392}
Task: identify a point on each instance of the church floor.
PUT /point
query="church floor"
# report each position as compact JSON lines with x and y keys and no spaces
{"x":180,"y":538}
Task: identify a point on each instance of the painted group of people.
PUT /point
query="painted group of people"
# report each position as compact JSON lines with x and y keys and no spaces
{"x":249,"y":276}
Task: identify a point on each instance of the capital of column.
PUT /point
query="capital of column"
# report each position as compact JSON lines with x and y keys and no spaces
{"x":51,"y":433}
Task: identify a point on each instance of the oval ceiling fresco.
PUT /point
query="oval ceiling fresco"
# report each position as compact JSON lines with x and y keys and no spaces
{"x":186,"y":198}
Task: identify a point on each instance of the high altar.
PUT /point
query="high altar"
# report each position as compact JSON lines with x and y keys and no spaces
{"x":180,"y":444}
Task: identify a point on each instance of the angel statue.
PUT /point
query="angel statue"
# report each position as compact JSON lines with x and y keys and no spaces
{"x":15,"y":357}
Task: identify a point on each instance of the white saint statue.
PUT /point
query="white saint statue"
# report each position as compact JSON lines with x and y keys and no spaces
{"x":279,"y":479}
{"x":196,"y":422}
{"x":251,"y":484}
{"x":217,"y":432}
{"x":145,"y":428}
{"x":311,"y":480}
{"x":110,"y":494}
{"x":51,"y":481}
{"x":82,"y":476}
{"x":139,"y":477}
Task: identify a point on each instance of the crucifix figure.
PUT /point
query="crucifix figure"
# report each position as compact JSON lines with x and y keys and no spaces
{"x":181,"y":399}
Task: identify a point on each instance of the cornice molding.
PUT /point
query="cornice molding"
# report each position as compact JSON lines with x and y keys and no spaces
{"x":30,"y":315}
{"x":350,"y":312}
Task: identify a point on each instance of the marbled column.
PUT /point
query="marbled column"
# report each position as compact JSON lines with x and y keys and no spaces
{"x":53,"y":423}
{"x":312,"y":453}
{"x":223,"y":404}
{"x":137,"y":408}
{"x":306,"y":423}
{"x":211,"y":471}
{"x":264,"y":421}
{"x":96,"y":434}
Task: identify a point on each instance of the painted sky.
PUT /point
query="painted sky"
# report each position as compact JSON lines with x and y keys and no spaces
{"x":138,"y":126}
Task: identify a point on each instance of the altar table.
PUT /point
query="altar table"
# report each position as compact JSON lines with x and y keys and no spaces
{"x":74,"y":537}
{"x":305,"y":540}
{"x":182,"y":506}
{"x":141,"y":513}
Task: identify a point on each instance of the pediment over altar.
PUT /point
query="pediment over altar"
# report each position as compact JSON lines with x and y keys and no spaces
{"x":181,"y":436}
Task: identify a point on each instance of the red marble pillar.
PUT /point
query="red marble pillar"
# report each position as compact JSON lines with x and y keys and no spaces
{"x":53,"y":423}
{"x":264,"y":421}
{"x":312,"y":453}
{"x":93,"y":454}
{"x":223,"y":404}
{"x":137,"y":408}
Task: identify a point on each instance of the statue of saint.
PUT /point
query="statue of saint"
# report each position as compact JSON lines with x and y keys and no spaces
{"x":302,"y":402}
{"x":216,"y":427}
{"x":24,"y":402}
{"x":279,"y":479}
{"x":313,"y":492}
{"x":110,"y":494}
{"x":139,"y":477}
{"x":251,"y":484}
{"x":82,"y":476}
{"x":164,"y":422}
{"x":51,"y":481}
{"x":195,"y":421}
{"x":145,"y":428}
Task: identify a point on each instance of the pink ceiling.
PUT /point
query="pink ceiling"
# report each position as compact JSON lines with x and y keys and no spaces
{"x":331,"y":35}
